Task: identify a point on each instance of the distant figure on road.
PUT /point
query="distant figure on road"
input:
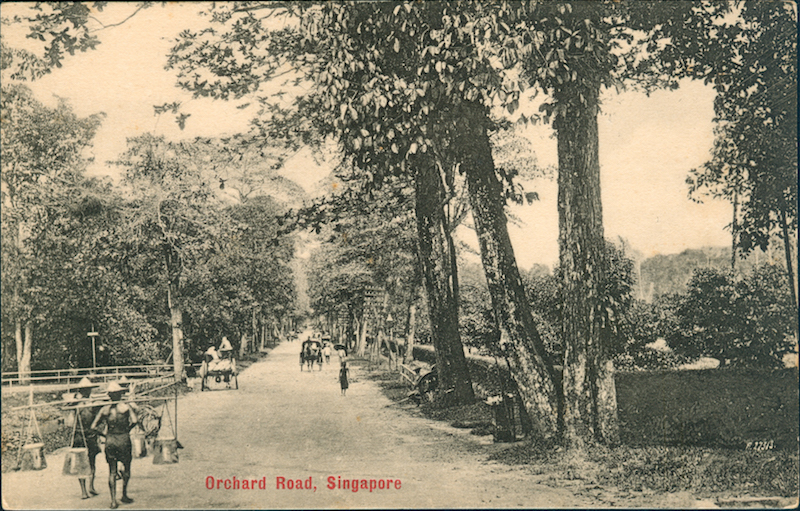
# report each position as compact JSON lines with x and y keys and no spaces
{"x":120,"y":418}
{"x":327,"y":352}
{"x":344,"y":372}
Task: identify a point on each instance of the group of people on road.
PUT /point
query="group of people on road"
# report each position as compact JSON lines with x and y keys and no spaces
{"x":344,"y":372}
{"x":114,"y":421}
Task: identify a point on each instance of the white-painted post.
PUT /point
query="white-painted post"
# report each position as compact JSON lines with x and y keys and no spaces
{"x":93,"y":335}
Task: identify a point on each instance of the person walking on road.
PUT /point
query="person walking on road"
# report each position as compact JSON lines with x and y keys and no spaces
{"x":87,"y":416}
{"x":120,"y":419}
{"x":327,"y":352}
{"x":344,"y":372}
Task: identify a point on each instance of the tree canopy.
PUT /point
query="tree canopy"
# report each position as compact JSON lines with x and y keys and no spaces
{"x":754,"y":160}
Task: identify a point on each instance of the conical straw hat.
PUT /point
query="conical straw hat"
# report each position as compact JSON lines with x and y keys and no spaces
{"x":85,"y":383}
{"x":114,"y":387}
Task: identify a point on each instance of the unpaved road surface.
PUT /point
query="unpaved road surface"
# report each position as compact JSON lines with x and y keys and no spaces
{"x":283,"y":423}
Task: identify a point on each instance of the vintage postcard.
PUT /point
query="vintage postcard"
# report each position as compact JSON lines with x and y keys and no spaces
{"x":413,"y":255}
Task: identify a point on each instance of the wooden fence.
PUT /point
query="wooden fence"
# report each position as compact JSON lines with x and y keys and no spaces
{"x":74,"y":375}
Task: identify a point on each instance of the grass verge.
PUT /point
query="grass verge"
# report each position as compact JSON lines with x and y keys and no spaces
{"x":702,"y":471}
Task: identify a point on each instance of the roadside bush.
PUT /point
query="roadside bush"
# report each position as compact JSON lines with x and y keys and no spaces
{"x":745,"y":323}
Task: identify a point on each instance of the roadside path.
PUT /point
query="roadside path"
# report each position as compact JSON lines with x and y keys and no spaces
{"x":291,"y":424}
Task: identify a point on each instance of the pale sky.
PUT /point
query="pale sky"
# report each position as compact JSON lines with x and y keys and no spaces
{"x":647,"y":144}
{"x":647,"y":147}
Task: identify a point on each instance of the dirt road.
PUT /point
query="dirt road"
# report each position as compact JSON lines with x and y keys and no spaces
{"x":283,"y":423}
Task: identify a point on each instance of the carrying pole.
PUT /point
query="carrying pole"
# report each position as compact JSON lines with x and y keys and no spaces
{"x":176,"y":412}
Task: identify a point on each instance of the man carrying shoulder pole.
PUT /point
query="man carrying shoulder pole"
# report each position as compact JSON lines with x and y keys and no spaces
{"x":120,"y":419}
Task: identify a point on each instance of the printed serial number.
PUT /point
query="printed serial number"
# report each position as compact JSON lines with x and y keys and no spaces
{"x":761,"y":445}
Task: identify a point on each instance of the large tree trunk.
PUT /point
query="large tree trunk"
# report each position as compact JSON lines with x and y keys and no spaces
{"x":25,"y":359}
{"x":23,"y":365}
{"x":455,"y":385}
{"x":19,"y":340}
{"x":176,"y":323}
{"x":525,"y":351}
{"x":590,"y":412}
{"x":451,"y":248}
{"x":172,"y":265}
{"x":734,"y":228}
{"x":361,"y":339}
{"x":255,"y":331}
{"x":408,"y":356}
{"x":349,"y":329}
{"x":787,"y":249}
{"x":263,"y":343}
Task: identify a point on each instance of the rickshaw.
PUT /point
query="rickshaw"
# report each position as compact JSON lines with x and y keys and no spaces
{"x":311,"y":352}
{"x":221,"y":369}
{"x":425,"y":386}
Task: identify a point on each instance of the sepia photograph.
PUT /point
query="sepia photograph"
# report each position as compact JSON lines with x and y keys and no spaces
{"x":399,"y":255}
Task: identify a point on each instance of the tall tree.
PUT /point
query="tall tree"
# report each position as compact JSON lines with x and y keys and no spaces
{"x":322,"y":54}
{"x":404,"y":81}
{"x":173,"y":212}
{"x":246,"y":280}
{"x":572,"y":60}
{"x":754,"y":161}
{"x":369,"y":242}
{"x":42,"y":159}
{"x":85,"y":282}
{"x":570,"y":50}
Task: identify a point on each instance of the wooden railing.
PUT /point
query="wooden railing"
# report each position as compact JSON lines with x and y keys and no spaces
{"x":74,"y":375}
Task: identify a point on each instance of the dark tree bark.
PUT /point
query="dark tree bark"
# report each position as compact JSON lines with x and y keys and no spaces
{"x":175,"y":311}
{"x":733,"y":230}
{"x":590,"y":411}
{"x":787,"y":250}
{"x":530,"y":367}
{"x":349,"y":332}
{"x":455,"y":385}
{"x":411,"y":324}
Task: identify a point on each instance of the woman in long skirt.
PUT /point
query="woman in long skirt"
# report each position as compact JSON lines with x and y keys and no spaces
{"x":343,"y":373}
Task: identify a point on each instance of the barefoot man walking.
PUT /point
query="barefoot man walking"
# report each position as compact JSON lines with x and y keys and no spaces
{"x":86,"y":416}
{"x":120,"y":418}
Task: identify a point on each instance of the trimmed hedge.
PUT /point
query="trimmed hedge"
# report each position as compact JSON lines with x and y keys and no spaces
{"x":735,"y":408}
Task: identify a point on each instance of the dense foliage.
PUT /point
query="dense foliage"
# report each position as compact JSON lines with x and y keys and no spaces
{"x":367,"y":269}
{"x":748,"y":322}
{"x":81,"y":254}
{"x":754,"y":160}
